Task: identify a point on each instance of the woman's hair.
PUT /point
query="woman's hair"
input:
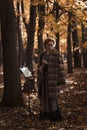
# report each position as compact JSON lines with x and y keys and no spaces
{"x":47,"y":40}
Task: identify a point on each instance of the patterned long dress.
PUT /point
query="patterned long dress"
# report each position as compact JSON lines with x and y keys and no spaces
{"x":49,"y":106}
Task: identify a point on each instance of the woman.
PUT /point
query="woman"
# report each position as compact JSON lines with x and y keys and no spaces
{"x":50,"y":76}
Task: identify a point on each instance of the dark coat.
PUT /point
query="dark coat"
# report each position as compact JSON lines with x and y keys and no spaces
{"x":50,"y":77}
{"x":56,"y":73}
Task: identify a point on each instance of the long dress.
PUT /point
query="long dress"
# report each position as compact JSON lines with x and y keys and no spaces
{"x":49,"y":106}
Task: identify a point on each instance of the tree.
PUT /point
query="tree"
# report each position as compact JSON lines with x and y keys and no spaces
{"x":30,"y":30}
{"x":20,"y":42}
{"x":75,"y":40}
{"x":56,"y":14}
{"x":84,"y":40}
{"x":12,"y":95}
{"x":0,"y":48}
{"x":30,"y":44}
{"x":41,"y":23}
{"x":69,"y":47}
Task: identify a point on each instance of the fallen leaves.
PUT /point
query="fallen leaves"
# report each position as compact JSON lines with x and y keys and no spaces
{"x":72,"y":101}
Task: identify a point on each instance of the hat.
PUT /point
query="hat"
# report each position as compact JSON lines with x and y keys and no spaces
{"x":47,"y":40}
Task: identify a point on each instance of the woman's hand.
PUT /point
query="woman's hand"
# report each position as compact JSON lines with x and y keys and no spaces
{"x":44,"y":61}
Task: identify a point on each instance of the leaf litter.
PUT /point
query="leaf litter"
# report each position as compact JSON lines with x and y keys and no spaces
{"x":72,"y":102}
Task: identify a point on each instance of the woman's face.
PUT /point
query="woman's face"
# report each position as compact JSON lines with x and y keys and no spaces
{"x":50,"y":46}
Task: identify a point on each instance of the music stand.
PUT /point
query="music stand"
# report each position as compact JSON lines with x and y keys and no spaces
{"x":28,"y":76}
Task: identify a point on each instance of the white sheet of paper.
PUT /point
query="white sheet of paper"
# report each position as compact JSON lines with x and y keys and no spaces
{"x":26,"y":72}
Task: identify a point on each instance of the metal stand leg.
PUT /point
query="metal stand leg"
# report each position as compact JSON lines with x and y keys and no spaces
{"x":29,"y":105}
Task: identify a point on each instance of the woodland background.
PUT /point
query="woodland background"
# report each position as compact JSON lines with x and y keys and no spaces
{"x":24,"y":24}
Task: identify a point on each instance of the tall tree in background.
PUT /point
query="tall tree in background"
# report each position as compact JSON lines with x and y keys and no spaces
{"x":75,"y":40}
{"x":0,"y":47}
{"x":69,"y":47}
{"x":0,"y":53}
{"x":84,"y":40}
{"x":30,"y":30}
{"x":56,"y":14}
{"x":31,"y":34}
{"x":19,"y":30}
{"x":12,"y":95}
{"x":41,"y":23}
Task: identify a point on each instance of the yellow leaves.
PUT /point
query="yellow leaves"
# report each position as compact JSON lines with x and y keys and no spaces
{"x":42,"y":2}
{"x":49,"y":18}
{"x":81,"y":4}
{"x":18,"y":0}
{"x":53,"y":128}
{"x":51,"y":26}
{"x":72,"y":102}
{"x":49,"y":23}
{"x":35,"y":2}
{"x":84,"y":45}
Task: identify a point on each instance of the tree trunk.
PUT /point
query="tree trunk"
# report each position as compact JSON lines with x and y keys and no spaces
{"x":84,"y":39}
{"x":20,"y":43}
{"x":12,"y":95}
{"x":56,"y":15}
{"x":30,"y":45}
{"x":69,"y":51}
{"x":76,"y":49}
{"x":41,"y":23}
{"x":0,"y":47}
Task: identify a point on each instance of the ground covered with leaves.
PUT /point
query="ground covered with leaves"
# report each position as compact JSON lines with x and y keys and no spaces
{"x":72,"y":101}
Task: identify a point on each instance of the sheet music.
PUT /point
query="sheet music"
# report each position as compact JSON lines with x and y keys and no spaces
{"x":26,"y":72}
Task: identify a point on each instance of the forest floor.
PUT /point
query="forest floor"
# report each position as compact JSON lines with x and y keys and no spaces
{"x":72,"y":101}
